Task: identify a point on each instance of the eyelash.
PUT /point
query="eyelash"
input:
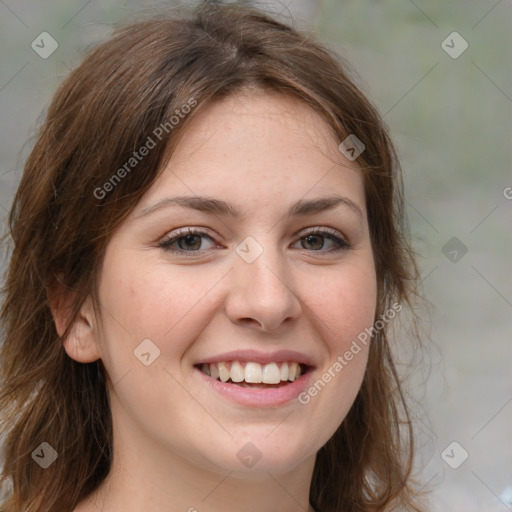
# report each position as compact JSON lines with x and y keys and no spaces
{"x":328,"y":233}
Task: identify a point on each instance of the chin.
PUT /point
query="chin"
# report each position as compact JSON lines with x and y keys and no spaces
{"x":260,"y":455}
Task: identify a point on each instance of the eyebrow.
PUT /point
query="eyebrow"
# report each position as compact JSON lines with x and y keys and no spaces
{"x":222,"y":208}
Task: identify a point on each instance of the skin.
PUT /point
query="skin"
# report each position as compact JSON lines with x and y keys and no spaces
{"x":176,"y":440}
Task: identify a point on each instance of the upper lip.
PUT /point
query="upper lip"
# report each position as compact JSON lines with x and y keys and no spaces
{"x":260,"y":357}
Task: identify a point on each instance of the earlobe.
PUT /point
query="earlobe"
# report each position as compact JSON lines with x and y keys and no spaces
{"x":81,"y":341}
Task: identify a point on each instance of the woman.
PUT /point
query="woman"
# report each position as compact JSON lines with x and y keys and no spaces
{"x":207,"y":258}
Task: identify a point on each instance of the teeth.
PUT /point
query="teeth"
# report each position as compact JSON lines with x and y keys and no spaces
{"x":214,"y":370}
{"x":293,"y":372}
{"x":271,"y":374}
{"x":284,"y":371}
{"x":237,"y":372}
{"x":223,"y":372}
{"x":253,"y":373}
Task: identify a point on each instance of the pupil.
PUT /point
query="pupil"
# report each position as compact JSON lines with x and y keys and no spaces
{"x":314,"y":241}
{"x":191,"y":241}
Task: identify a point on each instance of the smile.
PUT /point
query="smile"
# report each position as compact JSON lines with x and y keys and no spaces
{"x":253,"y":384}
{"x":250,"y":372}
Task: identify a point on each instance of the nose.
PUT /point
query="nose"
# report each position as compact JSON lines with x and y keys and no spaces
{"x":261,"y":294}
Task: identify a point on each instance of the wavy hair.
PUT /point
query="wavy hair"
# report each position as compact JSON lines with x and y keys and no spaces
{"x":61,"y":222}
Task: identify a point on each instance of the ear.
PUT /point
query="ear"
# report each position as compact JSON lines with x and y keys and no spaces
{"x":81,"y":343}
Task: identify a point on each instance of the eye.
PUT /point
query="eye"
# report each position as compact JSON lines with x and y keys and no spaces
{"x":187,"y":240}
{"x":190,"y":240}
{"x":326,"y":240}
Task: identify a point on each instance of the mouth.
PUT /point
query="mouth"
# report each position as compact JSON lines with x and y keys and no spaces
{"x":251,"y":374}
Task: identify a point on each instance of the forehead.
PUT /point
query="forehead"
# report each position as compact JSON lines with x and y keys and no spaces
{"x":258,"y":149}
{"x":256,"y":124}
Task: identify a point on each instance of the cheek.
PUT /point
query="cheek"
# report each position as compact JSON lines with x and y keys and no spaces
{"x":155,"y":304}
{"x":342,"y":309}
{"x":344,"y":304}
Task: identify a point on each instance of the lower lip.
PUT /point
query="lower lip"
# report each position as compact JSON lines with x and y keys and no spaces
{"x":258,"y":397}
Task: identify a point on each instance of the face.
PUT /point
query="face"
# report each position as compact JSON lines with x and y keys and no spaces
{"x":249,"y":254}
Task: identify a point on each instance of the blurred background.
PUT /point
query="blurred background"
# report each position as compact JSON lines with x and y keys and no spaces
{"x":440,"y":73}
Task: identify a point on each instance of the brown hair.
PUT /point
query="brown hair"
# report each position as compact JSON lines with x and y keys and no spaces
{"x":63,"y":217}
